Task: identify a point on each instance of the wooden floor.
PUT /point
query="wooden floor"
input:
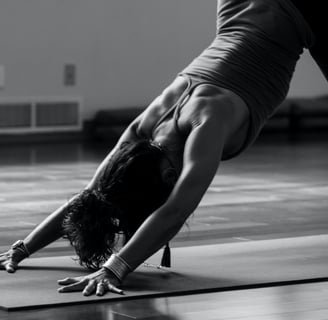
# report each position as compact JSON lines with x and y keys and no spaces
{"x":296,"y":302}
{"x":274,"y":190}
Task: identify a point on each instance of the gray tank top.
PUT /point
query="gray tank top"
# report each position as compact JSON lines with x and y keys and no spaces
{"x":192,"y":83}
{"x":254,"y":54}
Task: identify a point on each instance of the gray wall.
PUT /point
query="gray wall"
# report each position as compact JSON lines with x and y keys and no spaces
{"x":126,"y":51}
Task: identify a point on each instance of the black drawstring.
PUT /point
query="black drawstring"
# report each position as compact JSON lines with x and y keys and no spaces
{"x":166,"y":258}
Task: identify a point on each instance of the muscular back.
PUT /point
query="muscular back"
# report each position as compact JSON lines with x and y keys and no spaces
{"x":205,"y":102}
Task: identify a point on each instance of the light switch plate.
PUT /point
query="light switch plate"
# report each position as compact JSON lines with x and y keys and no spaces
{"x":2,"y":76}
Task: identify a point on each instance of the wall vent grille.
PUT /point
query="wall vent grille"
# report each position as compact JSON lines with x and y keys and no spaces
{"x":41,"y":114}
{"x":15,"y":115}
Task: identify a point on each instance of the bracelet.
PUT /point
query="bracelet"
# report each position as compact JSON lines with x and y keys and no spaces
{"x":118,"y":266}
{"x":21,"y":246}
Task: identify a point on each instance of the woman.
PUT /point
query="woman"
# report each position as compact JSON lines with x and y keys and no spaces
{"x":164,"y":162}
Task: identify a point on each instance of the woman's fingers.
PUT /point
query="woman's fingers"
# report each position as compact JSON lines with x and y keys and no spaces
{"x":9,"y":261}
{"x":2,"y":263}
{"x":11,"y":266}
{"x":90,"y":288}
{"x":88,"y":285}
{"x":3,"y":256}
{"x":78,"y":286}
{"x":104,"y":286}
{"x":113,"y":289}
{"x":67,"y":281}
{"x":101,"y":288}
{"x":6,"y":263}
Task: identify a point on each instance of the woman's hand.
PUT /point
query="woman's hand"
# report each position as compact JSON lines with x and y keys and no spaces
{"x":9,"y":260}
{"x":99,"y":282}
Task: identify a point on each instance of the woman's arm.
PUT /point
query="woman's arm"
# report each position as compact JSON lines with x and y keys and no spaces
{"x":50,"y":229}
{"x":202,"y":155}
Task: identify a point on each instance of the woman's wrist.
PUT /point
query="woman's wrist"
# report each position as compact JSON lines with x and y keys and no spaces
{"x":20,"y":247}
{"x":117,"y":266}
{"x":18,"y":252}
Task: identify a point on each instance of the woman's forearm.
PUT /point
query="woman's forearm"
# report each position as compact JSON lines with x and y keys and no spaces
{"x":154,"y":233}
{"x":48,"y":231}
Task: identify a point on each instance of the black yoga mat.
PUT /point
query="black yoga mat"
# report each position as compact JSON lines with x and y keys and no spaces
{"x":195,"y":270}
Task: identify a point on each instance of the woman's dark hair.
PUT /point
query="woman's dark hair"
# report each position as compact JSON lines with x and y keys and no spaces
{"x":130,"y":188}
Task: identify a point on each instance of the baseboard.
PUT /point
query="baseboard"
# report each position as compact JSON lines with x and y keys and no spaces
{"x":69,"y":136}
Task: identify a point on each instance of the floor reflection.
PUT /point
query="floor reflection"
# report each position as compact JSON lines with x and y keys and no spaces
{"x":32,"y":154}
